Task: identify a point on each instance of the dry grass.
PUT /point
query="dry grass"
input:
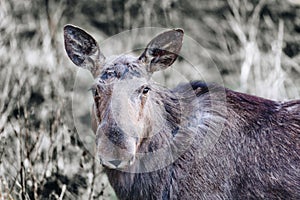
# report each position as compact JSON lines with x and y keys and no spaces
{"x":255,"y":45}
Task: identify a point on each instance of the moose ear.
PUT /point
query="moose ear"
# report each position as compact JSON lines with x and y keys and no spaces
{"x":162,"y":51}
{"x":83,"y":49}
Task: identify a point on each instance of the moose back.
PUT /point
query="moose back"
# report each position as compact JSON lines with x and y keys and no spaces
{"x":196,"y":141}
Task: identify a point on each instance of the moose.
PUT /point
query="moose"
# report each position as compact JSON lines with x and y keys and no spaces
{"x":196,"y":141}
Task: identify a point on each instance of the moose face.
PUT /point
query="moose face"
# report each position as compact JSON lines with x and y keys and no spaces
{"x":126,"y":106}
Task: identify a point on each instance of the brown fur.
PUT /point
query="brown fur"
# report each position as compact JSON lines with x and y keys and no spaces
{"x":226,"y":145}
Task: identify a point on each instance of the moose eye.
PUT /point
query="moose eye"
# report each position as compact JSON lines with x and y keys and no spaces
{"x":146,"y":90}
{"x":109,"y":74}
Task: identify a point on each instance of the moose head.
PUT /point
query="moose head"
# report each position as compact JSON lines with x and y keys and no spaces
{"x":129,"y":109}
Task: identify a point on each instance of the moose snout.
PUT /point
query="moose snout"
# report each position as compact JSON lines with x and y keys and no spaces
{"x":115,"y":149}
{"x":116,"y":163}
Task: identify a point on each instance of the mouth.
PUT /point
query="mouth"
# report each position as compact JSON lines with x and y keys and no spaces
{"x":116,"y":163}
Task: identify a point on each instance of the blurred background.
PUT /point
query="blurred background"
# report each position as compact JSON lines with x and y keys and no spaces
{"x":255,"y":44}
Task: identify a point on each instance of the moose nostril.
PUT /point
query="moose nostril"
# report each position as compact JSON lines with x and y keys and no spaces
{"x":116,"y":163}
{"x":131,"y":160}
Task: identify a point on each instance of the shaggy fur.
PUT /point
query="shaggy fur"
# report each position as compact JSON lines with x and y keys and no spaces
{"x":219,"y":144}
{"x":257,"y":155}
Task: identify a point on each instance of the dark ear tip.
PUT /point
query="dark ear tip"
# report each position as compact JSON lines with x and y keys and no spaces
{"x":179,"y":30}
{"x":69,"y":27}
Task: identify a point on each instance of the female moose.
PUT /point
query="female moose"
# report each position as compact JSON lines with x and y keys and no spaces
{"x":196,"y":141}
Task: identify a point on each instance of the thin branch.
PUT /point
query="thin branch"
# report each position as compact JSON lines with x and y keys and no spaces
{"x":63,"y":190}
{"x":93,"y":180}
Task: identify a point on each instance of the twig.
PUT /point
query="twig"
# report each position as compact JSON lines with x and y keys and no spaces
{"x":93,"y":180}
{"x":279,"y":46}
{"x":62,"y":192}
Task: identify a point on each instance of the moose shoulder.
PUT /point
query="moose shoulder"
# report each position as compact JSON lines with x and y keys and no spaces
{"x":196,"y":141}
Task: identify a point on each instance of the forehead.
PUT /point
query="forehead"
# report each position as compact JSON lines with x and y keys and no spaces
{"x":124,"y":67}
